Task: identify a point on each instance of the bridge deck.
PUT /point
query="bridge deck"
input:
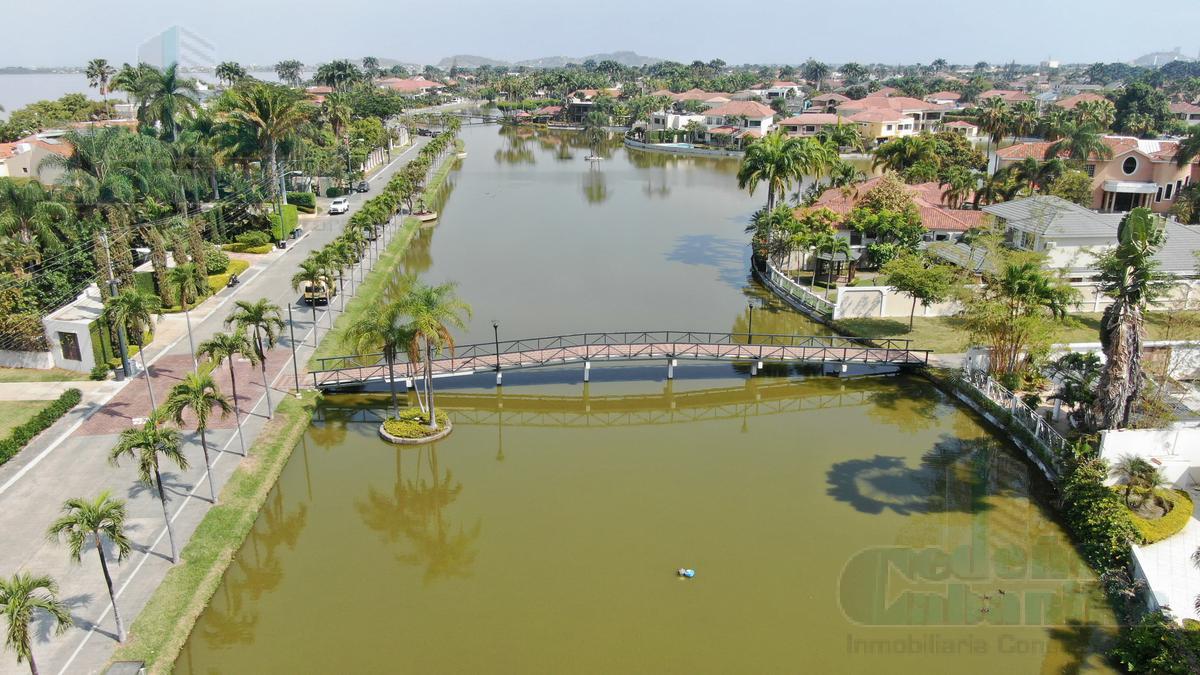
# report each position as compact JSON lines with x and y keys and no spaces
{"x":590,"y":347}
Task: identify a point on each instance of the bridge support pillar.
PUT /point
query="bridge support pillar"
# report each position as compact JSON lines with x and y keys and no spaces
{"x":845,"y":367}
{"x":587,"y":371}
{"x":499,"y":379}
{"x":671,"y":363}
{"x":753,"y":369}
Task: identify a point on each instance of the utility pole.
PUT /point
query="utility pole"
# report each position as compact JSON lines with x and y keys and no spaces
{"x":122,"y":344}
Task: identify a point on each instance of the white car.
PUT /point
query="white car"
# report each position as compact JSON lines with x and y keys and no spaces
{"x":339,"y":205}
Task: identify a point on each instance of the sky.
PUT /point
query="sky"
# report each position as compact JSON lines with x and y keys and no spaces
{"x":885,"y":31}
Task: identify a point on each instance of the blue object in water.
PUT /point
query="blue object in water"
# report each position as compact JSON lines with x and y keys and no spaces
{"x":685,"y":572}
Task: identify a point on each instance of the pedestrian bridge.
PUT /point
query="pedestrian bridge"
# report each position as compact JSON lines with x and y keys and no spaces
{"x":588,"y":348}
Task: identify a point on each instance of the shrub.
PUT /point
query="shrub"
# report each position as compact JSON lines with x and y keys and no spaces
{"x":253,"y":238}
{"x":99,"y":372}
{"x":1156,"y":645}
{"x":215,"y":260}
{"x":243,"y":248}
{"x":334,"y":192}
{"x":20,"y":436}
{"x":290,"y":219}
{"x":1096,"y":515}
{"x":1161,"y":528}
{"x":218,"y":281}
{"x":305,"y":202}
{"x":412,"y":423}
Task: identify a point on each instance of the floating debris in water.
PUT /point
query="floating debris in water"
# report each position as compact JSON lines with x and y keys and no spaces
{"x":685,"y":572}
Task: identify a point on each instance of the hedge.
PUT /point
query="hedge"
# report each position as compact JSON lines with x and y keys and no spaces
{"x":20,"y":436}
{"x":247,"y":248}
{"x":1161,"y":528}
{"x":304,"y":201}
{"x":291,"y":218}
{"x":413,"y":423}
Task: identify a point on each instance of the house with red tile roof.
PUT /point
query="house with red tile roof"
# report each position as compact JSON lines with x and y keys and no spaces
{"x":809,"y":123}
{"x":944,"y":97}
{"x":1188,"y":113}
{"x":1070,"y":102}
{"x":1140,"y":172}
{"x":964,"y":128}
{"x":738,"y":120}
{"x":943,"y":222}
{"x":826,"y":102}
{"x":925,"y":116}
{"x":24,"y":158}
{"x":884,"y":91}
{"x":1006,"y":95}
{"x":413,"y":86}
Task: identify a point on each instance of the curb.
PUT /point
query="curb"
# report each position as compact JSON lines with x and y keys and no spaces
{"x":416,"y":441}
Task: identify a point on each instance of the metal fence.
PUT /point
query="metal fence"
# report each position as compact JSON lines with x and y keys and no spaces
{"x":797,"y":292}
{"x":1052,"y":444}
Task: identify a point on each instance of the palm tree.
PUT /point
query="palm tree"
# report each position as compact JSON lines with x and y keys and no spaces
{"x":1134,"y":472}
{"x":134,"y":310}
{"x":1054,"y":122}
{"x":30,"y":214}
{"x":994,"y":119}
{"x":385,"y":330}
{"x":1189,"y":147}
{"x":1100,"y":114}
{"x":199,"y":394}
{"x":901,"y":153}
{"x":169,"y":98}
{"x":21,"y":596}
{"x":595,"y":125}
{"x":432,"y":311}
{"x":182,"y":278}
{"x":289,"y":71}
{"x":151,"y":444}
{"x":270,"y":113}
{"x":265,"y":321}
{"x":1129,"y":275}
{"x":99,"y":519}
{"x":311,"y":273}
{"x":1079,"y":142}
{"x":98,"y":74}
{"x":960,"y":183}
{"x":1025,"y":118}
{"x":222,"y":348}
{"x":814,"y":71}
{"x":230,"y":72}
{"x":774,"y":160}
{"x":833,"y":245}
{"x":338,"y":74}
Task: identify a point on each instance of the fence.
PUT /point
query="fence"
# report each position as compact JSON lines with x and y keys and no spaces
{"x":784,"y":286}
{"x":1048,"y":445}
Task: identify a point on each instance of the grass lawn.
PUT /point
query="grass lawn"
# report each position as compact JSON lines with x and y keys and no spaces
{"x":36,"y":375}
{"x":216,"y":282}
{"x":160,"y":631}
{"x":945,"y":334}
{"x":15,"y":413}
{"x":368,"y":292}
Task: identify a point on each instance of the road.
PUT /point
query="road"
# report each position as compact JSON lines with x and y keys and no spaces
{"x":71,"y":460}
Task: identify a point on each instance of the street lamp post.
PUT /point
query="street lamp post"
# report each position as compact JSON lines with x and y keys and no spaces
{"x":750,"y":336}
{"x":496,"y":337}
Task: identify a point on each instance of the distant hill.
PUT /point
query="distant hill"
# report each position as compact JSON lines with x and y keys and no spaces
{"x":1159,"y":58}
{"x":623,"y":58}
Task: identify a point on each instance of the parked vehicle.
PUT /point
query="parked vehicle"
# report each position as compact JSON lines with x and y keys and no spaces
{"x":318,"y":293}
{"x":363,"y":186}
{"x":339,"y":206}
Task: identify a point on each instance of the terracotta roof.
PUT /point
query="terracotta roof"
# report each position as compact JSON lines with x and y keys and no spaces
{"x":751,"y":109}
{"x":944,"y":96}
{"x":1120,"y":145}
{"x":1008,"y":95}
{"x":409,"y":85}
{"x":878,"y":115}
{"x":700,"y":95}
{"x":319,"y":90}
{"x":784,"y":83}
{"x":897,"y":103}
{"x":1185,"y":107}
{"x":831,"y":96}
{"x":960,"y":123}
{"x":882,"y":91}
{"x":926,"y":196}
{"x":1070,"y":102}
{"x":7,"y":150}
{"x":548,"y":110}
{"x":819,"y":119}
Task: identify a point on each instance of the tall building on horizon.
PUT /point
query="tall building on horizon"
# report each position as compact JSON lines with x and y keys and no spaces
{"x":177,"y":45}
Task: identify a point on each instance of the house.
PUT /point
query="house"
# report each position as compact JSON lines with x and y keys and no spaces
{"x":69,"y":330}
{"x":1072,"y":236}
{"x":24,"y":158}
{"x":1188,"y":113}
{"x":738,"y":120}
{"x":944,"y":98}
{"x":881,"y":125}
{"x":546,"y":113}
{"x":581,"y":101}
{"x":784,"y":89}
{"x":826,"y":102}
{"x":942,"y":222}
{"x":1006,"y":95}
{"x":1140,"y":172}
{"x":809,"y":123}
{"x":925,"y":116}
{"x":665,"y":119}
{"x":1070,"y":102}
{"x":884,"y":91}
{"x":708,"y":98}
{"x":413,"y":86}
{"x":963,"y":128}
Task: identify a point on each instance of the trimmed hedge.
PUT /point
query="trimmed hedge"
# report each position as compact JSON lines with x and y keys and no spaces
{"x":305,"y":202}
{"x":413,"y":423}
{"x":246,"y":248}
{"x":253,"y":238}
{"x":291,"y":218}
{"x":20,"y":436}
{"x":1161,"y":528}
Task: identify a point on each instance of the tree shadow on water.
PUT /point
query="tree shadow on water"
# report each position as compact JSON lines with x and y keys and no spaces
{"x":729,"y":256}
{"x":953,"y":476}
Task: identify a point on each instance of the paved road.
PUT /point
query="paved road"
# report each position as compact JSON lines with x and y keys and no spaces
{"x":72,"y":460}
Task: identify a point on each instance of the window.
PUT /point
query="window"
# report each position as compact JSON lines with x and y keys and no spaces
{"x":1129,"y":165}
{"x":1091,"y":170}
{"x":1178,"y":186}
{"x":1168,"y":195}
{"x":888,"y":128}
{"x":70,"y":346}
{"x":1158,"y":197}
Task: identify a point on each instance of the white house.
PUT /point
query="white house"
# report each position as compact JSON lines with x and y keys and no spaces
{"x":664,"y":119}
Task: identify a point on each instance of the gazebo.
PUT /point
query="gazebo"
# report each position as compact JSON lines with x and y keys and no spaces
{"x":838,"y":260}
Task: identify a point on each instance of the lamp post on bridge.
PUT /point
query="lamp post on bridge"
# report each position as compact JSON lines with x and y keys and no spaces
{"x":750,"y":330}
{"x":496,"y":339}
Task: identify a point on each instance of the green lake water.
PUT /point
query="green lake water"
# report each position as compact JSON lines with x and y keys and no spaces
{"x":835,"y":524}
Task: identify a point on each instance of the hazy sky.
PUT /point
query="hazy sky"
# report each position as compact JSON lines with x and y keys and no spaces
{"x":266,"y":31}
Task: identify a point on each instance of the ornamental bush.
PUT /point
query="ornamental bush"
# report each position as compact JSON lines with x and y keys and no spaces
{"x":413,"y":423}
{"x":215,"y":260}
{"x":304,"y":201}
{"x":1158,"y":529}
{"x":20,"y":436}
{"x":253,"y":238}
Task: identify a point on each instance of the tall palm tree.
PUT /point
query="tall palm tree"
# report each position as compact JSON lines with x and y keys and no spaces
{"x":432,"y":311}
{"x":1079,"y":142}
{"x":1129,"y":275}
{"x":98,"y":74}
{"x":98,"y":519}
{"x":338,"y":74}
{"x":1189,"y":147}
{"x":182,"y":278}
{"x":289,"y":71}
{"x":223,"y":348}
{"x":230,"y":72}
{"x":264,"y":321}
{"x":901,"y":153}
{"x":311,"y":273}
{"x":1025,"y":118}
{"x":150,"y":445}
{"x":270,"y":113}
{"x":198,"y":394}
{"x":960,"y":183}
{"x":1100,"y":114}
{"x":994,"y":119}
{"x":385,"y":330}
{"x":833,"y":245}
{"x":773,"y":159}
{"x":134,"y":310}
{"x":169,"y":98}
{"x":30,"y":214}
{"x":21,"y":597}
